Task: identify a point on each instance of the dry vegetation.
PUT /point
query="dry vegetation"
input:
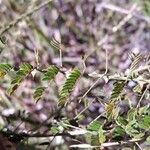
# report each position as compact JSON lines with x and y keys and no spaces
{"x":75,"y":74}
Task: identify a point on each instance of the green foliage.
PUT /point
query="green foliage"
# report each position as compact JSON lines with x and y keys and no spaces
{"x":136,"y":59}
{"x":117,"y":90}
{"x":111,"y":108}
{"x":97,"y":135}
{"x":131,"y":115}
{"x":144,"y":110}
{"x":23,"y":71}
{"x":4,"y":69}
{"x":38,"y":93}
{"x":101,"y":135}
{"x":68,"y":86}
{"x":132,"y":128}
{"x":118,"y":132}
{"x":50,"y":73}
{"x":94,"y":125}
{"x":146,"y":7}
{"x":135,"y":122}
{"x":134,"y":125}
{"x":116,"y":119}
{"x":54,"y":130}
{"x":121,"y":121}
{"x":144,"y":122}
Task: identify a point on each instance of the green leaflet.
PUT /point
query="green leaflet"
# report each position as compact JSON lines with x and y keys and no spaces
{"x":50,"y":73}
{"x":135,"y":58}
{"x":132,"y":128}
{"x":101,"y":135}
{"x":97,"y":135}
{"x":68,"y":86}
{"x":38,"y":93}
{"x":94,"y":125}
{"x":131,"y":115}
{"x":111,"y":108}
{"x":118,"y":132}
{"x":117,"y":90}
{"x":144,"y":123}
{"x":23,"y":71}
{"x":146,"y":7}
{"x":4,"y":69}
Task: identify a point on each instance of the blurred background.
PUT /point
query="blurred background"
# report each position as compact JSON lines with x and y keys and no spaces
{"x":85,"y":28}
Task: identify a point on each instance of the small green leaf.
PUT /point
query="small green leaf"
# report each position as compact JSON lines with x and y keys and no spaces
{"x":26,"y":67}
{"x":144,"y":110}
{"x":117,"y":90}
{"x":12,"y":89}
{"x":95,"y":141}
{"x":131,"y":114}
{"x":102,"y":137}
{"x":19,"y":75}
{"x":144,"y":123}
{"x":38,"y":93}
{"x":146,"y":7}
{"x":2,"y":74}
{"x":94,"y":126}
{"x":137,"y":89}
{"x":122,"y":122}
{"x":118,"y":131}
{"x":132,"y":128}
{"x":50,"y":73}
{"x":139,"y":135}
{"x":68,"y":86}
{"x":54,"y":130}
{"x":4,"y":69}
{"x":135,"y":58}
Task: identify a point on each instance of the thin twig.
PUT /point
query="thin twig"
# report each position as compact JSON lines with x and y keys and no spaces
{"x":36,"y":52}
{"x":84,"y":109}
{"x":124,"y":77}
{"x":100,"y":43}
{"x":138,"y":145}
{"x":98,"y":117}
{"x":31,"y":135}
{"x":124,"y":11}
{"x":108,"y":144}
{"x":50,"y":116}
{"x":142,"y":96}
{"x":106,"y":70}
{"x":60,"y":55}
{"x":124,"y":20}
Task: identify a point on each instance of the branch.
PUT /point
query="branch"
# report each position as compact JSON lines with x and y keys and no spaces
{"x":124,"y":11}
{"x":27,"y":135}
{"x":124,"y":77}
{"x":110,"y":144}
